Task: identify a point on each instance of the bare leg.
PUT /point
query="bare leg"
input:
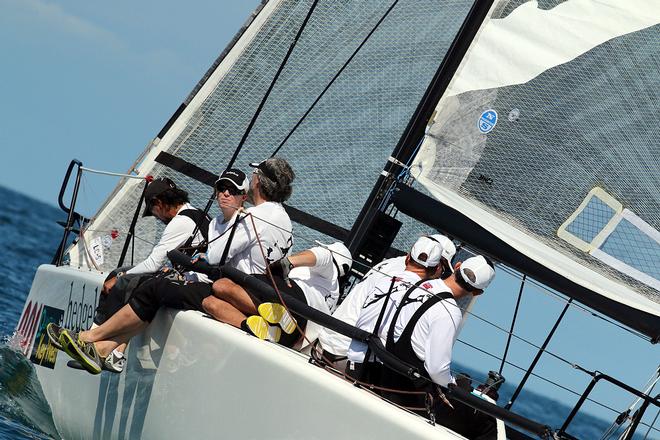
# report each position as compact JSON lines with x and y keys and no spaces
{"x":125,"y":323}
{"x":235,"y":295}
{"x":223,"y":311}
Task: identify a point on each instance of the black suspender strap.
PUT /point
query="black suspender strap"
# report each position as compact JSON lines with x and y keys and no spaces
{"x":404,"y":301}
{"x":201,"y":224}
{"x":407,"y":331}
{"x":225,"y":252}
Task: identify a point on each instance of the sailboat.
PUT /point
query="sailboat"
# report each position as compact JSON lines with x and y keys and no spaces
{"x":538,"y":151}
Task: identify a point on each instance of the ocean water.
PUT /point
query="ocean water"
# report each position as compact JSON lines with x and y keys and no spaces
{"x":29,"y":237}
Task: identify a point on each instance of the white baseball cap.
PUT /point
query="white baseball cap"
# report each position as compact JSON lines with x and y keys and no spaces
{"x":342,"y":257}
{"x":448,"y":247}
{"x":477,"y":272}
{"x":430,"y":248}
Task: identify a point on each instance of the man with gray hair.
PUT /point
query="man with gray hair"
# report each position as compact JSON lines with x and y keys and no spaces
{"x":266,"y":224}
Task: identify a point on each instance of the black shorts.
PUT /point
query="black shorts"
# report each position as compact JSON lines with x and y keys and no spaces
{"x":117,"y":297}
{"x":165,"y":292}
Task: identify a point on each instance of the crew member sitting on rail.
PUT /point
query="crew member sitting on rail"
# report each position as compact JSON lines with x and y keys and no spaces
{"x":313,"y":276}
{"x":335,"y":345}
{"x":419,"y":325}
{"x":169,"y":204}
{"x":271,"y":185}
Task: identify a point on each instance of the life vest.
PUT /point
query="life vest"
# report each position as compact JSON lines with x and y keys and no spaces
{"x":202,"y":221}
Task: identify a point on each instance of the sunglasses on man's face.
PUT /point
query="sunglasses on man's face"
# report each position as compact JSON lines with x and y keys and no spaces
{"x":232,"y":190}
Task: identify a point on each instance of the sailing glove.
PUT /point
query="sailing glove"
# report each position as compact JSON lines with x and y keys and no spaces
{"x":281,"y":268}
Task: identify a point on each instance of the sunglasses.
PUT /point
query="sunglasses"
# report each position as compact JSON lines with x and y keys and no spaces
{"x":232,"y":190}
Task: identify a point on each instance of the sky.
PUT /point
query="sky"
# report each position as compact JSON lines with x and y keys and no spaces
{"x":96,"y":81}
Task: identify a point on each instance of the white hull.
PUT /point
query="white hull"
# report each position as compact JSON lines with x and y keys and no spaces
{"x":189,"y":375}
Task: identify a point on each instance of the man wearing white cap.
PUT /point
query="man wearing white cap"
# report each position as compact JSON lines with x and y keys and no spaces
{"x":335,"y":344}
{"x":421,"y":325}
{"x":422,"y":263}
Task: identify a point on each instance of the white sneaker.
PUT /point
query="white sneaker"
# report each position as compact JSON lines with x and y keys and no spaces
{"x":114,"y":362}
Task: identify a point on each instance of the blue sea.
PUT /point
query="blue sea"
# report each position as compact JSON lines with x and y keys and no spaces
{"x":29,"y":237}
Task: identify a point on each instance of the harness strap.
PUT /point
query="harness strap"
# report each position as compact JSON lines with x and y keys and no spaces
{"x":225,"y":252}
{"x":201,"y":220}
{"x":407,"y":331}
{"x":389,"y":341}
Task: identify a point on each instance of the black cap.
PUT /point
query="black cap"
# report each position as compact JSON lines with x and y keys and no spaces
{"x":235,"y":177}
{"x":154,"y":189}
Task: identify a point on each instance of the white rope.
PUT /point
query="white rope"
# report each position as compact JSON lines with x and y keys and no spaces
{"x":109,"y":173}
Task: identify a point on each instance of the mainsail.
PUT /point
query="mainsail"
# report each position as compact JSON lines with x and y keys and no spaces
{"x":545,"y":138}
{"x":339,"y":148}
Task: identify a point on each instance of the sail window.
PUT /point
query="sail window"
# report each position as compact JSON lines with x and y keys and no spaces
{"x":615,"y":236}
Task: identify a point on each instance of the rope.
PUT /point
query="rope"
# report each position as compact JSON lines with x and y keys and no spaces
{"x":272,"y":279}
{"x":109,"y":173}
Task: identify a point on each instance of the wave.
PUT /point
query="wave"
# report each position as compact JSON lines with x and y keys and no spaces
{"x":23,"y":407}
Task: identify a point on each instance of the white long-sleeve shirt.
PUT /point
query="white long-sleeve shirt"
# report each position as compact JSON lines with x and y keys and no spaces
{"x":434,"y":334}
{"x":274,"y":230}
{"x":176,"y":232}
{"x":349,"y":310}
{"x":217,"y":227}
{"x":320,"y":285}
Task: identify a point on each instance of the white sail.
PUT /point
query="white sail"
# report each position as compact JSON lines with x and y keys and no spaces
{"x":346,"y":137}
{"x":545,"y":141}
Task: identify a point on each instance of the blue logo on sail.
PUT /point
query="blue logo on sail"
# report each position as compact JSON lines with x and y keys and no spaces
{"x":487,"y":121}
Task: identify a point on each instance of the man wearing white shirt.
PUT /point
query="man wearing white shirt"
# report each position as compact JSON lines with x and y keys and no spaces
{"x":169,"y":204}
{"x":269,"y":188}
{"x":420,"y":326}
{"x":335,"y":344}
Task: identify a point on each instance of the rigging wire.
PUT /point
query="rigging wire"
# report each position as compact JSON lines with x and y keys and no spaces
{"x":318,"y":98}
{"x":272,"y":85}
{"x":551,"y":293}
{"x":558,"y":385}
{"x":655,"y":419}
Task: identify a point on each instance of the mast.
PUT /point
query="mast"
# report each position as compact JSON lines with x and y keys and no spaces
{"x":404,"y":151}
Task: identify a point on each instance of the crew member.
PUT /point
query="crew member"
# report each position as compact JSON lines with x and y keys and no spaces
{"x":271,"y":185}
{"x":420,"y":326}
{"x":335,"y":345}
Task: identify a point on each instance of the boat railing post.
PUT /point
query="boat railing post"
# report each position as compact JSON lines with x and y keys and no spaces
{"x":130,"y":235}
{"x":513,"y":322}
{"x":538,"y":356}
{"x":597,"y":376}
{"x":72,"y":215}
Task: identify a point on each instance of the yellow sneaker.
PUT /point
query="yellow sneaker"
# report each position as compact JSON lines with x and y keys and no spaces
{"x":275,"y":313}
{"x":262,"y":330}
{"x":81,"y":351}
